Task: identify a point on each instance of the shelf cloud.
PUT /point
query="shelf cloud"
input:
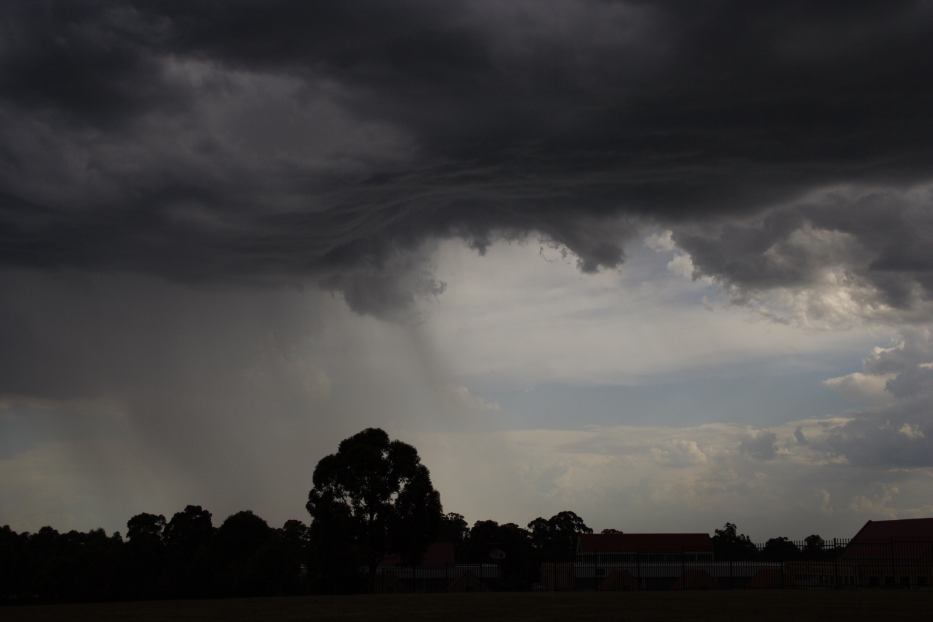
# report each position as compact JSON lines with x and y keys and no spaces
{"x":298,"y":139}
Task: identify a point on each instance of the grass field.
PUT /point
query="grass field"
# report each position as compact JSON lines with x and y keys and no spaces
{"x":700,"y":606}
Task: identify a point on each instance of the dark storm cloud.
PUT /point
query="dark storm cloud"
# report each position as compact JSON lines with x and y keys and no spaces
{"x":242,"y":139}
{"x":879,"y":243}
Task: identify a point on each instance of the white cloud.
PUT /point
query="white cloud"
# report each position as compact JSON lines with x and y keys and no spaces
{"x":679,"y":453}
{"x":681,"y":265}
{"x":661,"y":241}
{"x":897,"y":433}
{"x":911,"y":431}
{"x":858,"y":385}
{"x":644,"y":478}
{"x":512,"y":317}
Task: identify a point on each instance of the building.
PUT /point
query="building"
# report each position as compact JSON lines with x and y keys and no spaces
{"x":909,"y":537}
{"x":885,"y":553}
{"x":646,"y":547}
{"x":437,"y":571}
{"x":891,"y":553}
{"x":632,"y":561}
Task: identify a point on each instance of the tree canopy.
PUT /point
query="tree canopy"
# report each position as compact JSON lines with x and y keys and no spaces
{"x":728,"y":544}
{"x":555,"y":538}
{"x":372,"y":497}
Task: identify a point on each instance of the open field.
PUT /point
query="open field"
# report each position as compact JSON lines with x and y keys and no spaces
{"x":626,"y":606}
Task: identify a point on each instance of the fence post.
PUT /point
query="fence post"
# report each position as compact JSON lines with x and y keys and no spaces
{"x":835,"y":564}
{"x":893,"y":566}
{"x":638,"y":568}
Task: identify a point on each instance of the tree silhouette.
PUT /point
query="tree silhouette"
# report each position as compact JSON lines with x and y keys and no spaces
{"x":371,"y":497}
{"x":144,"y":554}
{"x":780,"y":550}
{"x":145,"y":530}
{"x":243,"y":555}
{"x":555,"y":538}
{"x":813,"y":547}
{"x":295,"y":541}
{"x":729,"y":544}
{"x":13,"y":574}
{"x":187,"y":540}
{"x":507,"y":545}
{"x":453,"y":528}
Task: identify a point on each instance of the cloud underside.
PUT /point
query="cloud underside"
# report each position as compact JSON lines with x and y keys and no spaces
{"x":329,"y":141}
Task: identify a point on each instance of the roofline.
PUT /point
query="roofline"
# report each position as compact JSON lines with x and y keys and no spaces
{"x":645,"y":533}
{"x":859,"y":532}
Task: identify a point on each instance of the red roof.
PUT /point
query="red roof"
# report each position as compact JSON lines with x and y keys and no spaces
{"x":904,"y":530}
{"x":645,"y":543}
{"x":440,"y":554}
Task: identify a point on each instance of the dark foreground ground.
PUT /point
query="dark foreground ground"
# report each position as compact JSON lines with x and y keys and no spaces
{"x":565,"y":607}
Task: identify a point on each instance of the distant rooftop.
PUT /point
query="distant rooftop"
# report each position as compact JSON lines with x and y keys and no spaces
{"x":644,"y":543}
{"x":907,"y":529}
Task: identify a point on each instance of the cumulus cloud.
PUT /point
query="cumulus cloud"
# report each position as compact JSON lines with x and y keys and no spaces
{"x":679,"y":453}
{"x":841,"y":255}
{"x":862,"y":386}
{"x":623,"y":477}
{"x":896,"y":434}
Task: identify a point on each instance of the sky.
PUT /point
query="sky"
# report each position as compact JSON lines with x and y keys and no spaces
{"x":666,"y":264}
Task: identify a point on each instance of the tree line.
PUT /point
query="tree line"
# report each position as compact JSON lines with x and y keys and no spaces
{"x":371,"y":498}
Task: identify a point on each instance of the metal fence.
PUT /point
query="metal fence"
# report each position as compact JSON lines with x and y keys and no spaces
{"x":837,"y":564}
{"x":457,"y":578}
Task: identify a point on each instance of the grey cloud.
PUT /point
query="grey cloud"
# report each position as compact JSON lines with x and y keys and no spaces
{"x":147,"y":394}
{"x":900,"y":434}
{"x":271,"y":140}
{"x":761,"y":445}
{"x":799,"y":436}
{"x":889,"y":439}
{"x":913,"y":348}
{"x":873,"y":242}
